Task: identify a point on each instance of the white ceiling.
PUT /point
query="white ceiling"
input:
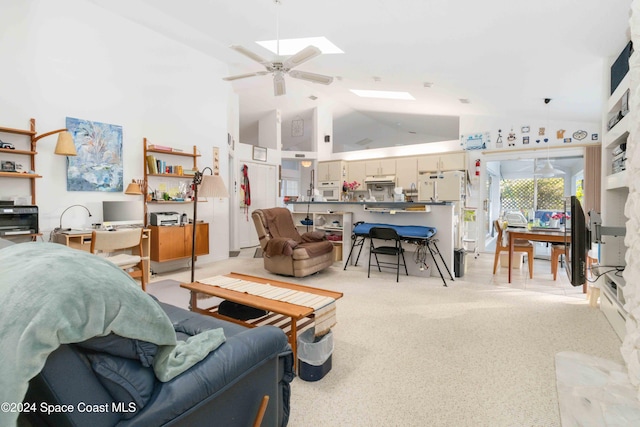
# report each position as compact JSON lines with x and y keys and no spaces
{"x":505,"y":56}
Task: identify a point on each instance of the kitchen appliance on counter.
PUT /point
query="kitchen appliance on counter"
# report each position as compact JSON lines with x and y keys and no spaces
{"x":441,"y":187}
{"x":330,"y":190}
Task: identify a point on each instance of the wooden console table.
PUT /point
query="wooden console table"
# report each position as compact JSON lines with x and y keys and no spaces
{"x":275,"y":308}
{"x":82,"y":241}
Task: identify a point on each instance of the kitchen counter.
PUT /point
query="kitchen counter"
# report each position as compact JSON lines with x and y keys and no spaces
{"x":394,"y":204}
{"x":438,"y":215}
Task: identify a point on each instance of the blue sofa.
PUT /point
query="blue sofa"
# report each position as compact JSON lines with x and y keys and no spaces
{"x":85,"y":346}
{"x":224,"y":389}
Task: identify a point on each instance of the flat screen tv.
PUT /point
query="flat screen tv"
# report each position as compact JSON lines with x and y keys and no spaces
{"x":122,"y":213}
{"x":577,"y":241}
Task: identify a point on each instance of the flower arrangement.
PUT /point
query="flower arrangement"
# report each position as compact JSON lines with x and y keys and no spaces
{"x":557,"y":215}
{"x":350,"y":186}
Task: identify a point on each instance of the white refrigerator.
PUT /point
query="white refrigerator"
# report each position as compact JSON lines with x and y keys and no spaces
{"x":441,"y":187}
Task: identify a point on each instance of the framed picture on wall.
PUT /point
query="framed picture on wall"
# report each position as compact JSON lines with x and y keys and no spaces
{"x":260,"y":153}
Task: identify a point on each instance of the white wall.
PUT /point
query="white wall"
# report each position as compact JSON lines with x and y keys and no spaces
{"x":70,"y":58}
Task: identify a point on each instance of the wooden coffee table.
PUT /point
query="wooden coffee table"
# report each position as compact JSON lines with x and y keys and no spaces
{"x":276,"y":309}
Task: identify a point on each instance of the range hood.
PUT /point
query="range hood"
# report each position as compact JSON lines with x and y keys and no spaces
{"x":381,"y":180}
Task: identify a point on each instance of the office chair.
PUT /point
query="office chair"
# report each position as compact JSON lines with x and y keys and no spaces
{"x":113,"y":243}
{"x":386,"y":234}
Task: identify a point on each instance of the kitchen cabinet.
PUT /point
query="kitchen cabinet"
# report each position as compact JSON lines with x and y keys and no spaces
{"x":357,"y":173}
{"x":407,"y":173}
{"x":380,"y":167}
{"x":175,"y":242}
{"x":442,"y":162}
{"x":331,"y":171}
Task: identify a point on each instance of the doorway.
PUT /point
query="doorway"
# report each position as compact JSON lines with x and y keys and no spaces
{"x":512,"y":183}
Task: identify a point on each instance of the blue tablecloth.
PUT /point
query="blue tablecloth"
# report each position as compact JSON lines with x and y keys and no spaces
{"x":407,"y":231}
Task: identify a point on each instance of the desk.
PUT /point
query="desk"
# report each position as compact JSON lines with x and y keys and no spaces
{"x":551,"y":236}
{"x":293,"y":311}
{"x":82,"y":242}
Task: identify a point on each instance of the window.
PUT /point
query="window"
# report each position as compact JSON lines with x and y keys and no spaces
{"x":290,"y":187}
{"x":532,"y":193}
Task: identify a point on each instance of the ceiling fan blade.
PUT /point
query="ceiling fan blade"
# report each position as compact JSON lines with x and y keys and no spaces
{"x":250,"y":55}
{"x":311,"y":77}
{"x":278,"y":84}
{"x":306,"y":54}
{"x":244,"y":76}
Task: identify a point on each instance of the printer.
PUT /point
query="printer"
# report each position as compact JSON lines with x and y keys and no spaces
{"x":165,"y":218}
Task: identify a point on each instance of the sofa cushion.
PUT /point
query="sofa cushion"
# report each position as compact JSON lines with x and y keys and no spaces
{"x":128,"y":382}
{"x":116,"y":345}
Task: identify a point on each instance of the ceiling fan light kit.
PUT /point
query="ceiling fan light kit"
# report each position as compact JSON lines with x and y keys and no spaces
{"x":279,"y":68}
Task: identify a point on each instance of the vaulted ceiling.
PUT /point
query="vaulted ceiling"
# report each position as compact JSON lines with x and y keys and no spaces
{"x":503,"y":56}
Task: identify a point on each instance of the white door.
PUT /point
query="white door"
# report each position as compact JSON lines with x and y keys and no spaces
{"x":263,"y":185}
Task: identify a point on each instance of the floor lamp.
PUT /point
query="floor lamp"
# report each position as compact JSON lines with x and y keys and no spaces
{"x":206,"y":186}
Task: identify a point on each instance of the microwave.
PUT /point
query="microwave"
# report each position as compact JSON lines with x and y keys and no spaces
{"x":329,"y":190}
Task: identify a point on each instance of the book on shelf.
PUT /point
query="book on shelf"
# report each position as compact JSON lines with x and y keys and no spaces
{"x":159,"y":147}
{"x":151,"y":164}
{"x":177,"y":150}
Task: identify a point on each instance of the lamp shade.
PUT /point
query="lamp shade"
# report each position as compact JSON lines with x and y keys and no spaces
{"x":133,"y":189}
{"x":212,"y":186}
{"x":548,"y":170}
{"x":65,"y":145}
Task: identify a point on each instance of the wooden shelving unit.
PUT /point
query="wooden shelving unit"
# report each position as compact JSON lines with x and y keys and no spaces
{"x":165,"y":154}
{"x":173,"y":243}
{"x":31,"y":153}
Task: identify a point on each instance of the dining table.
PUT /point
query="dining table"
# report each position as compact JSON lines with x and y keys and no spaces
{"x":535,"y":234}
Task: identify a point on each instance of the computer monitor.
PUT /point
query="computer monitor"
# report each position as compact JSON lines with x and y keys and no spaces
{"x":121,"y":213}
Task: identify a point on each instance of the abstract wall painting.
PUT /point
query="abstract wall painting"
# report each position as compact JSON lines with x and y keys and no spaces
{"x":98,"y":165}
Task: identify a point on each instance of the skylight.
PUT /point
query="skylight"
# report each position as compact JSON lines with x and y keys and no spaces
{"x":384,"y":94}
{"x":291,"y":46}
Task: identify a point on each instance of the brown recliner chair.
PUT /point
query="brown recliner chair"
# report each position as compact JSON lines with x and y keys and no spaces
{"x":287,"y":252}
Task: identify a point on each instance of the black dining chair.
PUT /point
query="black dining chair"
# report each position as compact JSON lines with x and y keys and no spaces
{"x":386,"y":234}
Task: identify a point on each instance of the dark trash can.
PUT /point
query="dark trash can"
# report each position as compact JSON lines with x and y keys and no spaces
{"x":314,"y":354}
{"x":459,"y":262}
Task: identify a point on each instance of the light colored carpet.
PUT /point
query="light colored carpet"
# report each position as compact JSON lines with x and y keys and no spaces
{"x":477,"y":353}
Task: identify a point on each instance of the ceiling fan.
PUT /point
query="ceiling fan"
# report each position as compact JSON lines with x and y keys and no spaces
{"x":280,"y":67}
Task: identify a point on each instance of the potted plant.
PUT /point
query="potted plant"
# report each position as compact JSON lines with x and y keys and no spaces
{"x":554,"y":222}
